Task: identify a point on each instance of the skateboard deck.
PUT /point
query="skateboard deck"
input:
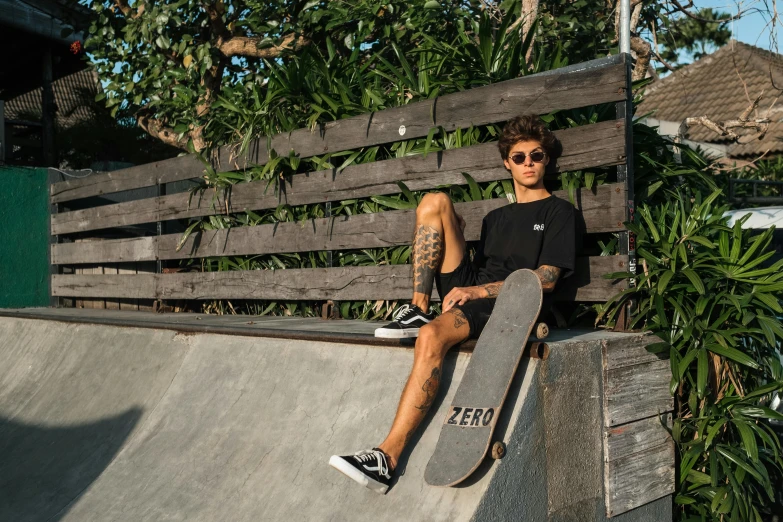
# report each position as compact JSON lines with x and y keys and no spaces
{"x":467,"y":430}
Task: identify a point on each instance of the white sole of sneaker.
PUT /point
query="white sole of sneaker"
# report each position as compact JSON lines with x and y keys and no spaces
{"x":349,"y":471}
{"x":402,"y":333}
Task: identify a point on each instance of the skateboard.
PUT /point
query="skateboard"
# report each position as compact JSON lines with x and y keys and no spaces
{"x":467,"y":430}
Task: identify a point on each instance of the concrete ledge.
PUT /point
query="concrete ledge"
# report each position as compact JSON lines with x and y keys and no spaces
{"x":103,"y":422}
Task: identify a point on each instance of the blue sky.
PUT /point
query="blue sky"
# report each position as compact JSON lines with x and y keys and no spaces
{"x":752,"y":28}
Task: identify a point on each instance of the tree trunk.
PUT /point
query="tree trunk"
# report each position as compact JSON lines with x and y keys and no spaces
{"x":529,"y":14}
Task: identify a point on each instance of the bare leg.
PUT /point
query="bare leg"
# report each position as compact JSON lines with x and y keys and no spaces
{"x":433,"y":342}
{"x":438,"y":246}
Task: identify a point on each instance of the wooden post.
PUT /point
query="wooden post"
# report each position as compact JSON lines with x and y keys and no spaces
{"x":48,"y":109}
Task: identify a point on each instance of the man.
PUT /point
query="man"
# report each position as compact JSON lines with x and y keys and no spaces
{"x":537,"y":232}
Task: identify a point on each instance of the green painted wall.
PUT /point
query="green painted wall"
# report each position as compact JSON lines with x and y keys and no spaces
{"x":24,"y":237}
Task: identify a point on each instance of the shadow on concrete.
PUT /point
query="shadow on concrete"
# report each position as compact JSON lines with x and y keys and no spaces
{"x":45,"y":469}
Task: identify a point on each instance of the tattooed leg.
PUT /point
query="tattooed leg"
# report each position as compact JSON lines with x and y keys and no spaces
{"x":427,"y":252}
{"x":438,"y":244}
{"x":459,"y":318}
{"x":421,"y":390}
{"x":430,"y":389}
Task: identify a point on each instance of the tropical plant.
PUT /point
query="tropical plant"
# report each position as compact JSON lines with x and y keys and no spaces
{"x":170,"y":62}
{"x":709,"y":292}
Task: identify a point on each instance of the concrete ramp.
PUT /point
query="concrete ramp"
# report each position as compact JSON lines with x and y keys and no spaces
{"x":119,"y":423}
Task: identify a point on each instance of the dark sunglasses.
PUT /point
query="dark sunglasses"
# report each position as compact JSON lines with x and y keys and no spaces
{"x":519,"y":157}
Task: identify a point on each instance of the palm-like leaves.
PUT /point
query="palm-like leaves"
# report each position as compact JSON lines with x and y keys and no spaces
{"x":710,"y":293}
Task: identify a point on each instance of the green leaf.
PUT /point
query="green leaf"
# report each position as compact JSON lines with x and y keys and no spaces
{"x":432,"y":4}
{"x":428,"y":141}
{"x":730,"y":454}
{"x":702,"y":372}
{"x":663,"y":281}
{"x":733,"y":354}
{"x":694,"y":278}
{"x":712,"y":432}
{"x":748,"y":439}
{"x":475,"y":190}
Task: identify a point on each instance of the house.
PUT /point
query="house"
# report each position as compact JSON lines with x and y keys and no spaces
{"x":44,"y":80}
{"x":721,"y":87}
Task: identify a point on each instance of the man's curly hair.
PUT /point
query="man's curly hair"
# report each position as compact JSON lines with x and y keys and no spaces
{"x":527,"y":128}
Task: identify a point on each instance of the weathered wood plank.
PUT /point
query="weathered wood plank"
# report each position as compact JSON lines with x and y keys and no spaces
{"x":539,"y":94}
{"x":637,"y":436}
{"x":349,"y":283}
{"x":636,"y":392}
{"x":112,"y":304}
{"x":147,"y":175}
{"x":638,"y":479}
{"x":602,"y":211}
{"x":629,"y":351}
{"x":110,"y":251}
{"x":584,"y":147}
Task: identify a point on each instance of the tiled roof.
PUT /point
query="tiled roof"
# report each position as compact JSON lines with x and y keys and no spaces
{"x":73,"y":94}
{"x":721,"y":86}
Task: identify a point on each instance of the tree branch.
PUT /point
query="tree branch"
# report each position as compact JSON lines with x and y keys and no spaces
{"x":248,"y":46}
{"x":663,"y":62}
{"x":157,"y":129}
{"x":684,"y":10}
{"x":216,"y":21}
{"x":644,"y":53}
{"x":127,"y":10}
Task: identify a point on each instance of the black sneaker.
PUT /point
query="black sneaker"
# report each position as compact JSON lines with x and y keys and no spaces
{"x":407,"y":321}
{"x":367,"y":467}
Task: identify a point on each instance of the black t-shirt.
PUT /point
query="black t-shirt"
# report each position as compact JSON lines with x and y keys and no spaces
{"x":526,"y":235}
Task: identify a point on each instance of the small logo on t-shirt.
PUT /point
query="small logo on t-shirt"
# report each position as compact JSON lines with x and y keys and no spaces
{"x":539,"y":228}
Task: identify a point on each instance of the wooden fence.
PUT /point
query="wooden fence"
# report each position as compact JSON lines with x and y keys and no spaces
{"x":604,"y":209}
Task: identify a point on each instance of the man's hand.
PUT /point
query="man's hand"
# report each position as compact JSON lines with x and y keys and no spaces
{"x":460,"y":296}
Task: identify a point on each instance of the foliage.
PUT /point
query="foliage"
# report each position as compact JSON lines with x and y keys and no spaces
{"x":699,"y":37}
{"x":180,"y":66}
{"x":711,"y":295}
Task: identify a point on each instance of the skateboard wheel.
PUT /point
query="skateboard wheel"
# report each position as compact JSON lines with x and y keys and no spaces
{"x":542,"y":331}
{"x":498,"y":450}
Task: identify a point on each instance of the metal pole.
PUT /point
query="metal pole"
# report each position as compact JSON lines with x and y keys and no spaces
{"x":625,"y":26}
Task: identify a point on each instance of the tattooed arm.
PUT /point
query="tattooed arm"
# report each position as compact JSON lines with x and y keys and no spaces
{"x":459,"y":296}
{"x":548,"y":276}
{"x":492,"y":289}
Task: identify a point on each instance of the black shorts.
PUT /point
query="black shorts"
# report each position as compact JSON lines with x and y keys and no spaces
{"x":477,"y":311}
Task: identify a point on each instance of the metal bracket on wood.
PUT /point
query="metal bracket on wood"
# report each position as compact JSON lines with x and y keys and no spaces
{"x":329,"y":310}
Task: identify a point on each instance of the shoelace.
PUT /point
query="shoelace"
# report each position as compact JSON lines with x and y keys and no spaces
{"x":402,"y":311}
{"x":367,"y":455}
